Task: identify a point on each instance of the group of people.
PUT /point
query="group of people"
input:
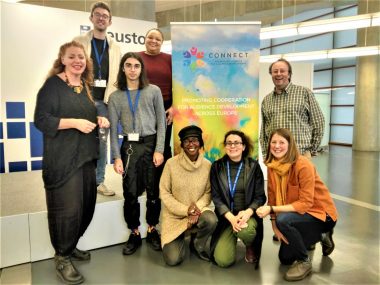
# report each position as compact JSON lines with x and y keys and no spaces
{"x":91,"y":90}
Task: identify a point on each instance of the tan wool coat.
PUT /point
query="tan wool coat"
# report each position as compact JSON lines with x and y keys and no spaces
{"x":182,"y":182}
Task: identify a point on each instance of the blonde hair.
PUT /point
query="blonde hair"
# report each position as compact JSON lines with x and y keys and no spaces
{"x":87,"y":75}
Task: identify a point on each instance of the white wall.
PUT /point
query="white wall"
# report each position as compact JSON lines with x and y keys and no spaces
{"x":30,"y":38}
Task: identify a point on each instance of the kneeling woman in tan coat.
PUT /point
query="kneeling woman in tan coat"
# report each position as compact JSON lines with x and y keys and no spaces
{"x":186,"y":195}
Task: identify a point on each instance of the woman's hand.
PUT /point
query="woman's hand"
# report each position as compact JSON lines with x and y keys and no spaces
{"x":158,"y":159}
{"x":192,"y":220}
{"x":193,"y":210}
{"x":85,"y":126}
{"x":263,"y":211}
{"x":277,"y":232}
{"x":169,"y":116}
{"x":234,"y":221}
{"x":103,"y":122}
{"x":244,"y":216}
{"x":118,"y":166}
{"x":193,"y":213}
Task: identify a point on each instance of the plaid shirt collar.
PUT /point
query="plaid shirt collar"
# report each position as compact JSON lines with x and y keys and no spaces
{"x":285,"y":91}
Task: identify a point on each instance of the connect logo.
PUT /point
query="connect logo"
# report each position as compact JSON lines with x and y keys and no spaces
{"x":194,"y":58}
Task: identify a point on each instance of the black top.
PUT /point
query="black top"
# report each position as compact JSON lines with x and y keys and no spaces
{"x":254,"y":197}
{"x":239,"y":197}
{"x":64,"y":150}
{"x":98,"y":92}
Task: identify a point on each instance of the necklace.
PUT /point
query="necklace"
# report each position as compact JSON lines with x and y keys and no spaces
{"x":76,"y":89}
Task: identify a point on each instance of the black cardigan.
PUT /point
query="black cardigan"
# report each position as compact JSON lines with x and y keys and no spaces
{"x":254,"y":193}
{"x":64,"y":150}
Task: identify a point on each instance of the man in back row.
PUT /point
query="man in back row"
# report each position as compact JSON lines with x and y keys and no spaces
{"x":105,"y":54}
{"x":293,"y":107}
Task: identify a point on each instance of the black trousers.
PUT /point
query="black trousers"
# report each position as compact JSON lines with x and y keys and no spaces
{"x":71,"y":208}
{"x":140,"y":177}
{"x":301,"y":231}
{"x":174,"y":252}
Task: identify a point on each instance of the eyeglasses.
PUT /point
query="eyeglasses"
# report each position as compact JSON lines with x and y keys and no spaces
{"x":100,"y":16}
{"x":231,"y":144}
{"x":188,"y":141}
{"x":134,"y":66}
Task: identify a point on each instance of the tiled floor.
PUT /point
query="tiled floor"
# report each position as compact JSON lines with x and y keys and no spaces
{"x":353,"y":179}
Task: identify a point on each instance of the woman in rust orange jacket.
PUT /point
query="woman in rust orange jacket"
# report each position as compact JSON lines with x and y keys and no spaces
{"x":300,"y":206}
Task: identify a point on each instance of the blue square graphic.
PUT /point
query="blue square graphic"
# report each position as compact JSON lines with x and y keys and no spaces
{"x":16,"y":130}
{"x":36,"y":145}
{"x":18,"y":166}
{"x":1,"y":131}
{"x":15,"y":110}
{"x":2,"y":164}
{"x":36,"y":164}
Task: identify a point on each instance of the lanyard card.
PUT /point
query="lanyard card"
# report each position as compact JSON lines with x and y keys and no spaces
{"x":133,"y":137}
{"x":100,"y":83}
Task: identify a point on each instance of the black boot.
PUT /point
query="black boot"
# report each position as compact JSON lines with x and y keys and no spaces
{"x":66,"y":270}
{"x":80,"y":255}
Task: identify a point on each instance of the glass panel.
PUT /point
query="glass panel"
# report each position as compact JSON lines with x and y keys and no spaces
{"x":265,"y":52}
{"x":342,"y":115}
{"x":353,"y":11}
{"x":322,"y":41}
{"x":343,"y":96}
{"x":322,"y":78}
{"x":322,"y":64}
{"x":341,"y":134}
{"x":345,"y":61}
{"x":345,"y":38}
{"x":344,"y":76}
{"x":265,"y":43}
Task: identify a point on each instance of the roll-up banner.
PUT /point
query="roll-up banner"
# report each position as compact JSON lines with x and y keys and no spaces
{"x":216,"y":81}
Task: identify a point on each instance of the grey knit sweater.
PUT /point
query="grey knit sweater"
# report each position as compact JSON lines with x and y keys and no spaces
{"x":149,"y":116}
{"x":182,"y":183}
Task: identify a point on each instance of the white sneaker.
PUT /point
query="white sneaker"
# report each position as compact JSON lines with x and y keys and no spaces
{"x":102,"y":189}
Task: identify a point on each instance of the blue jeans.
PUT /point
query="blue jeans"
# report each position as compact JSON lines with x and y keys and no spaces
{"x":301,"y":231}
{"x":102,"y":110}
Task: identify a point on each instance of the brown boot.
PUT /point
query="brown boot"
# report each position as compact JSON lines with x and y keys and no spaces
{"x":66,"y":270}
{"x":250,"y":255}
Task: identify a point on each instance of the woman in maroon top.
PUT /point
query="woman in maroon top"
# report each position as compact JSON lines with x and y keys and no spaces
{"x":158,"y":66}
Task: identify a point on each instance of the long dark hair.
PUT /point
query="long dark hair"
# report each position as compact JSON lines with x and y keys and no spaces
{"x":121,"y":78}
{"x":247,"y":142}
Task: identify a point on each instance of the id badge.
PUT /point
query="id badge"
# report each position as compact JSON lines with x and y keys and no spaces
{"x":133,"y":137}
{"x":100,"y":83}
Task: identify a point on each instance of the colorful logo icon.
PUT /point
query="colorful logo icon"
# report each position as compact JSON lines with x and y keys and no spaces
{"x":193,"y":58}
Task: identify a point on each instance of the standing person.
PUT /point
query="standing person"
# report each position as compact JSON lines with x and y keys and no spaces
{"x":186,"y":195}
{"x":66,"y":115}
{"x":105,"y":54}
{"x":300,"y":206}
{"x":138,"y":107}
{"x":237,"y":185}
{"x":293,"y":107}
{"x":159,"y":72}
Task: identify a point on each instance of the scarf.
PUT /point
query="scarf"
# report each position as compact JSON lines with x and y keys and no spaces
{"x":281,"y":173}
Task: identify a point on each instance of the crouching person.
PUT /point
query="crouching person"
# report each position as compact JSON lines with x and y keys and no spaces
{"x":186,"y":195}
{"x":237,"y":185}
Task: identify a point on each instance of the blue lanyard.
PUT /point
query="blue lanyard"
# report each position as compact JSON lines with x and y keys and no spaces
{"x":133,"y":108}
{"x":233,"y":188}
{"x":99,"y":58}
